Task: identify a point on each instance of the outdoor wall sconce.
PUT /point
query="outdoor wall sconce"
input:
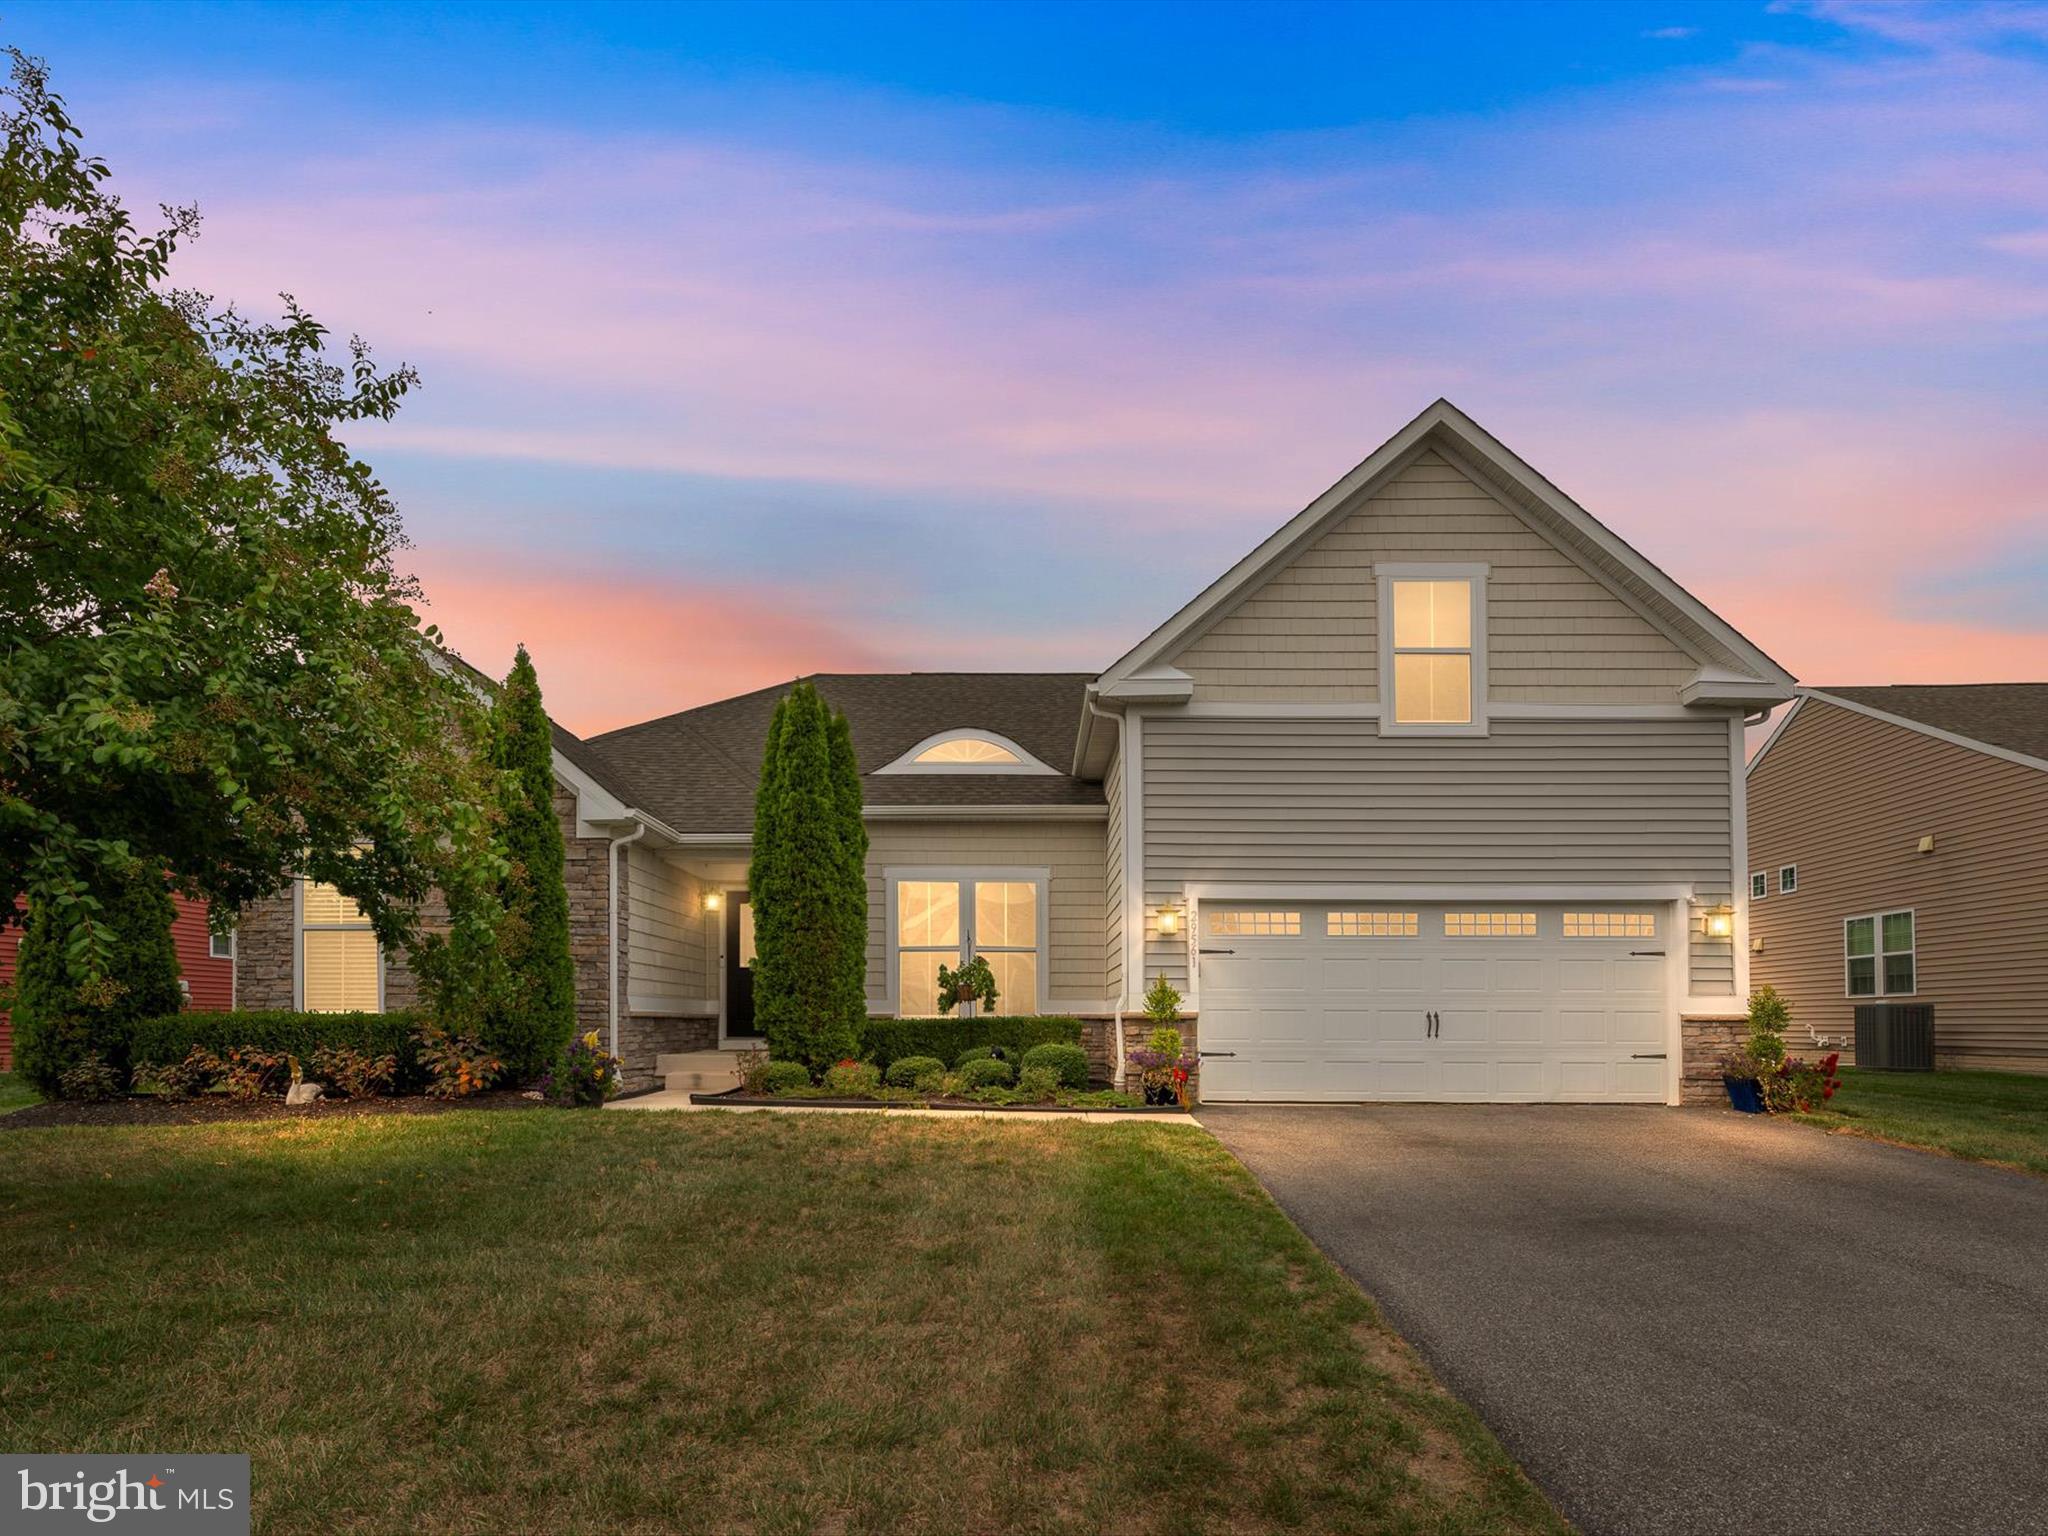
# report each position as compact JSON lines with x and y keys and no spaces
{"x":714,"y":901}
{"x":1169,"y":921}
{"x":1720,"y":923}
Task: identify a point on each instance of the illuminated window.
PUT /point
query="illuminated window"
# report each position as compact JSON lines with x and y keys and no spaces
{"x":1254,"y":924}
{"x":948,"y":921}
{"x":1490,"y":925}
{"x":340,"y":966}
{"x":1372,"y":925}
{"x":967,"y":749}
{"x":1610,"y":925}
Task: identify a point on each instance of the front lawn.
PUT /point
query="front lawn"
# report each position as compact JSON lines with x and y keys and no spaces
{"x":772,"y":1323}
{"x":15,"y":1093}
{"x":1987,"y":1117}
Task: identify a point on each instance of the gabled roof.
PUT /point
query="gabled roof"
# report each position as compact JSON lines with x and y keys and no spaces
{"x":2009,"y":720}
{"x":697,"y":769}
{"x":1718,"y":646}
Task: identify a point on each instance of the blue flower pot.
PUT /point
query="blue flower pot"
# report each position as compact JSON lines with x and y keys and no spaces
{"x":1745,"y":1094}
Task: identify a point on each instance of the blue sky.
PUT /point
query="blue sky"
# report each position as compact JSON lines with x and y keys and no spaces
{"x":747,"y":330}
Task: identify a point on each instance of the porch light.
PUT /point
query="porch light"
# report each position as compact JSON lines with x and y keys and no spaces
{"x":714,"y":901}
{"x":1720,"y":923}
{"x":1169,"y":921}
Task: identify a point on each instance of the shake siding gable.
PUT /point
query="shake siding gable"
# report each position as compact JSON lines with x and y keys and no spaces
{"x":1279,"y":802}
{"x":1848,"y":799}
{"x":1555,"y":632}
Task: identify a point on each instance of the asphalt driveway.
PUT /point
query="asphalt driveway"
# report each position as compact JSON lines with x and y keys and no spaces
{"x":1696,"y":1321}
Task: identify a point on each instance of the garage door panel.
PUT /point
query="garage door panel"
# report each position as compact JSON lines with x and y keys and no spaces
{"x":1521,"y":1012}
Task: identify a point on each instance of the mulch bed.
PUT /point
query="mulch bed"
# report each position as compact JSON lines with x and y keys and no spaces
{"x":735,"y":1097}
{"x":212,"y":1109}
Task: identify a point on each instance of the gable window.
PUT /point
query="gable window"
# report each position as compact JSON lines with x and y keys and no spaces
{"x":1759,"y":885}
{"x":1433,"y":649}
{"x":1877,"y":952}
{"x":944,"y":918}
{"x":1788,"y":879}
{"x":966,"y":750}
{"x":340,"y":967}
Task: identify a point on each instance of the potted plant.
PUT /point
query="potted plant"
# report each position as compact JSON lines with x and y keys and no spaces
{"x":1164,"y":1067}
{"x":1747,"y":1072}
{"x":974,"y":982}
{"x":1743,"y":1076}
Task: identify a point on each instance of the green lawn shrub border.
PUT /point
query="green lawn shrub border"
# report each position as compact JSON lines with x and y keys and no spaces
{"x":884,"y":1041}
{"x":169,"y":1037}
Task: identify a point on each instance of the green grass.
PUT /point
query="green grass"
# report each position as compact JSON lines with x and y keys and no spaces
{"x":15,"y":1093}
{"x":521,"y":1321}
{"x":1987,"y":1117}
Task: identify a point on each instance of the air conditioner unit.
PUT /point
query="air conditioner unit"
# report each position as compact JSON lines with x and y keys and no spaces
{"x":1895,"y":1037}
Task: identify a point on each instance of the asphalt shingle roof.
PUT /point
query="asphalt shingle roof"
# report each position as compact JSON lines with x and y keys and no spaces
{"x":2009,"y":715}
{"x":696,"y":770}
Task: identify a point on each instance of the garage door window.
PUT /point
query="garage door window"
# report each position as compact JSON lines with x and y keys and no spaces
{"x":1246,"y":925}
{"x":1610,"y":925}
{"x":1489,"y":925}
{"x":1372,"y":925}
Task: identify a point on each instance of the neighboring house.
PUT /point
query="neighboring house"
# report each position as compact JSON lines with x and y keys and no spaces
{"x":1898,"y":845}
{"x":1437,"y":794}
{"x":205,"y":959}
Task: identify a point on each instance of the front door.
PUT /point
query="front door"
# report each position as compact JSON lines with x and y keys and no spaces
{"x":739,"y":967}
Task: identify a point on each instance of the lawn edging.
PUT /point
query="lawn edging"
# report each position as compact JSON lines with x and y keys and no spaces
{"x":739,"y":1098}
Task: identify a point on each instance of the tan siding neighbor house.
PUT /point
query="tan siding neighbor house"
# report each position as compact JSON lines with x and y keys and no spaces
{"x":1869,"y":803}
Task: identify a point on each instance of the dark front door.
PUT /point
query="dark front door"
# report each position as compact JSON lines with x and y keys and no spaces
{"x":739,"y":968}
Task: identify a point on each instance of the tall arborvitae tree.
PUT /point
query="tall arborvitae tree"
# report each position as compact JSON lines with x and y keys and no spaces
{"x":799,"y":889}
{"x":853,"y":867}
{"x":61,"y":1020}
{"x":534,"y":1017}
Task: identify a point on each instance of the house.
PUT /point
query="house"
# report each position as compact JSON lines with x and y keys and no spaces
{"x":1898,"y":849}
{"x":1436,"y":794}
{"x":205,"y":959}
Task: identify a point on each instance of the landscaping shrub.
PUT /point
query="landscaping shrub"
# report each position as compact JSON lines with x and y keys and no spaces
{"x":987,"y":1073}
{"x":853,"y":1078}
{"x":456,"y":1065}
{"x":975,"y":1053}
{"x":884,"y":1041}
{"x":171,"y":1037}
{"x":246,"y":1074}
{"x":352,"y":1073}
{"x":932,"y":1079}
{"x":92,"y":1080}
{"x":782,"y":1076}
{"x":1038,"y":1085}
{"x":584,"y":1075}
{"x":186,"y":1079}
{"x":1068,"y":1063}
{"x":906,"y":1072}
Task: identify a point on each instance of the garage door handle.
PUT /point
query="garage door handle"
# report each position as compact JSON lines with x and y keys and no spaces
{"x":1215,"y":951}
{"x":1647,"y":1056}
{"x":1657,"y":952}
{"x":1215,"y":1053}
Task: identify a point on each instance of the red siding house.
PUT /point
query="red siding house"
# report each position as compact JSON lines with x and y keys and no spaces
{"x":209,"y":978}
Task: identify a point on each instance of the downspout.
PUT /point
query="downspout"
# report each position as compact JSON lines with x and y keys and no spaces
{"x":611,"y":991}
{"x":1116,"y":1046}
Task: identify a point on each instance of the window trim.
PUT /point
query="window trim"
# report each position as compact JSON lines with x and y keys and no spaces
{"x":1785,"y":887}
{"x":1878,"y":953}
{"x":1385,"y":574}
{"x":1759,"y":884}
{"x":1026,"y":763}
{"x":967,"y":875}
{"x":299,"y":947}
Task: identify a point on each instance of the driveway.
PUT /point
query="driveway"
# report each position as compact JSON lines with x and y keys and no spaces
{"x":1697,"y":1321}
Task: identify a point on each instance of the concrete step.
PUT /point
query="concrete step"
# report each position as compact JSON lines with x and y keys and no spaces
{"x":698,"y":1071}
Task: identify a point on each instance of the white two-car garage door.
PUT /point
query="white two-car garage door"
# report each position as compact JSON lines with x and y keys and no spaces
{"x":1472,"y":1001}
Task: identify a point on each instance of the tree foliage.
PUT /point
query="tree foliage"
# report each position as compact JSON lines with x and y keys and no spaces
{"x":809,"y":970}
{"x":534,"y":1017}
{"x":61,"y":1021}
{"x":209,"y":659}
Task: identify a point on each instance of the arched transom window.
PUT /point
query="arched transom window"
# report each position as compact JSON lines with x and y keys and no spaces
{"x":966,"y":750}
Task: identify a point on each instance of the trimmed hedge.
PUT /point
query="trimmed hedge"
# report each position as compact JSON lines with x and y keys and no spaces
{"x":783,"y":1076}
{"x":169,"y":1038}
{"x":884,"y":1041}
{"x":904,"y":1071}
{"x":988,"y":1073}
{"x":1068,"y":1063}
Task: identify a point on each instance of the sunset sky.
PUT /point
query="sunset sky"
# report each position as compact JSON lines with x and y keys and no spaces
{"x":764,"y":340}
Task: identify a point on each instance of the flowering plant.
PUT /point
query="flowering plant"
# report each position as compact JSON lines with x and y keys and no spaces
{"x":1164,"y":1067}
{"x":584,"y":1075}
{"x":1803,"y":1086}
{"x":456,"y":1065}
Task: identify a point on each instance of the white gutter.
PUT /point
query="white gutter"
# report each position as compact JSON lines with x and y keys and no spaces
{"x":612,"y":924}
{"x":1116,"y":1047}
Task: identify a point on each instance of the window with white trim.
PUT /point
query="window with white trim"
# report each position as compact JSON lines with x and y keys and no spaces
{"x":1759,"y":885}
{"x":1433,"y":661}
{"x":1788,"y":879}
{"x":947,"y":920}
{"x":1610,"y":925}
{"x":1489,"y":925}
{"x":1878,"y":955}
{"x":967,"y":749}
{"x":340,"y":967}
{"x":220,"y":946}
{"x":1371,"y":925}
{"x":1254,"y":925}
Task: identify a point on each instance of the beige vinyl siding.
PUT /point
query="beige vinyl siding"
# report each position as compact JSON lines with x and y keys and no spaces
{"x":1555,"y":633}
{"x":1848,"y":799}
{"x":1113,"y":877}
{"x":1072,"y":853}
{"x":671,"y":942}
{"x":1609,"y":802}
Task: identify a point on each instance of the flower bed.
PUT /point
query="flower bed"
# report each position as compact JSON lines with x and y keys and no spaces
{"x":1044,"y":1077}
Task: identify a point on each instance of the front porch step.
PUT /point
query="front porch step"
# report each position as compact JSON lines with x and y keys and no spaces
{"x":698,"y":1071}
